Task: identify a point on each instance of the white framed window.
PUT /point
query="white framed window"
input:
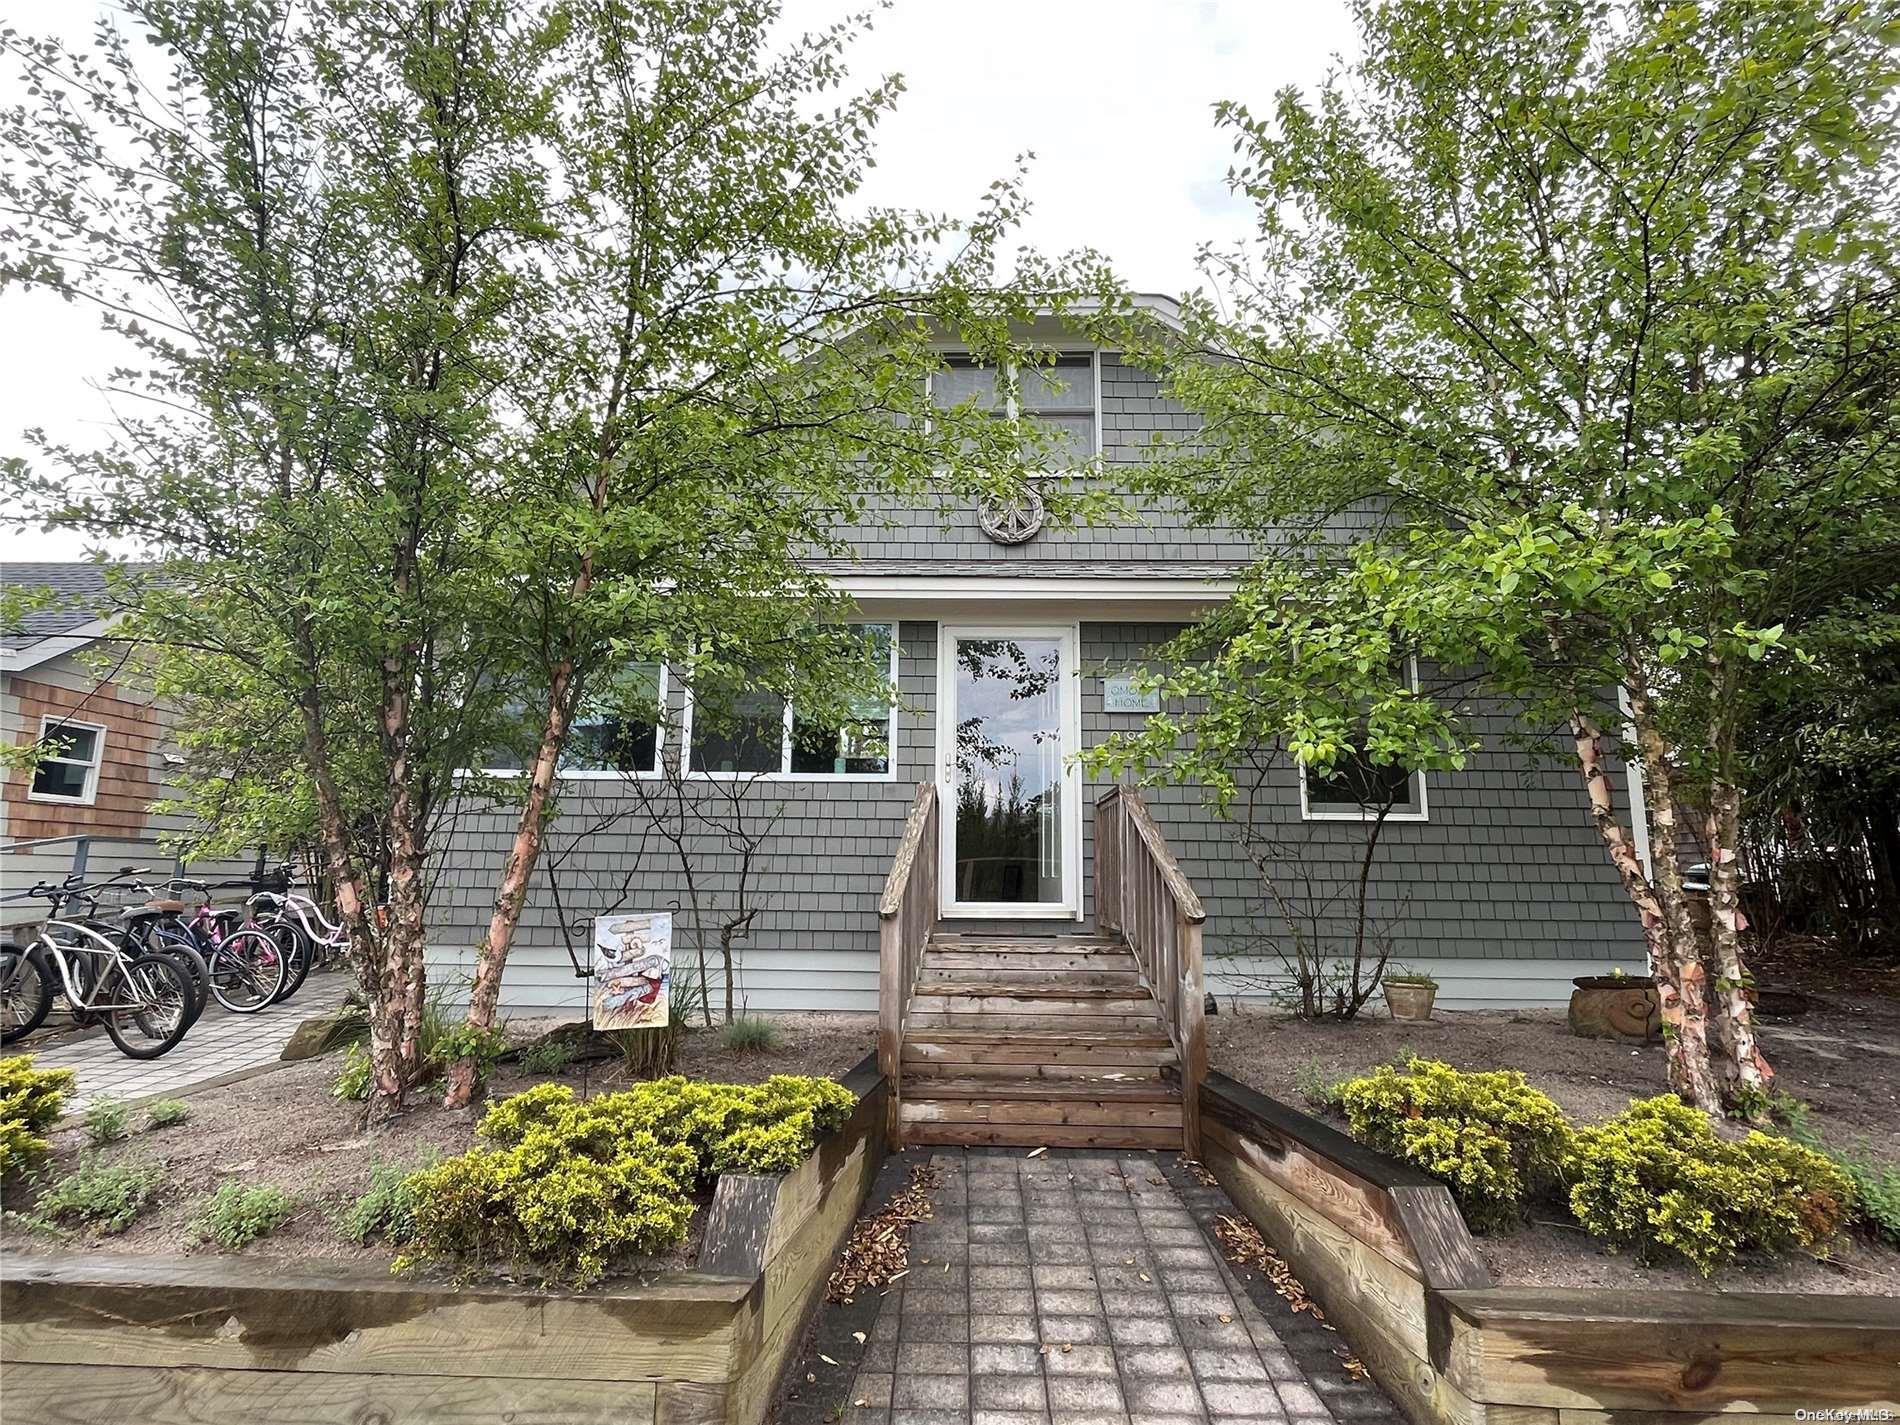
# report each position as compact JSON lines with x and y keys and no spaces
{"x":1062,"y":395}
{"x":763,"y":735}
{"x":1357,"y":787}
{"x":69,"y":770}
{"x":619,"y":729}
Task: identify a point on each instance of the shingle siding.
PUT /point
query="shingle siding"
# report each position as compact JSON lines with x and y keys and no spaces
{"x":1505,"y":874}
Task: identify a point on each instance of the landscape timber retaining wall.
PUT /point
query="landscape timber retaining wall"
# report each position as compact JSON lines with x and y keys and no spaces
{"x":243,"y":1341}
{"x":1384,"y":1250}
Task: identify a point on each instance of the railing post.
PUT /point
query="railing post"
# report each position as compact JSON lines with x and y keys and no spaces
{"x":1193,"y":1032}
{"x":891,"y":992}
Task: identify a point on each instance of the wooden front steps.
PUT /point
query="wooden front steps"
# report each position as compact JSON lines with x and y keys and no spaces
{"x":1032,"y":1041}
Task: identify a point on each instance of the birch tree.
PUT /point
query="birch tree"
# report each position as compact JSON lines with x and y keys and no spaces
{"x":1564,"y":325}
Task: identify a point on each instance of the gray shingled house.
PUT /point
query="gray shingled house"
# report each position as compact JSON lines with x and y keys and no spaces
{"x":1492,"y":878}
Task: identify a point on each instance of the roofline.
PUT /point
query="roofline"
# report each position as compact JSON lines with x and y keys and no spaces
{"x":928,"y":588}
{"x":18,"y":660}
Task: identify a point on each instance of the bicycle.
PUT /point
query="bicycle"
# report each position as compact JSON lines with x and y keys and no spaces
{"x":318,"y":941}
{"x":100,"y":977}
{"x":245,"y":965}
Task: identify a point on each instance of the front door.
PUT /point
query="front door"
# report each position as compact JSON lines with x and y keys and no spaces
{"x":1011,"y":796}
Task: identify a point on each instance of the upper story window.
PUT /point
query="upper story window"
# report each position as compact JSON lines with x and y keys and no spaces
{"x":616,"y":730}
{"x":760,"y":733}
{"x":1358,"y":789}
{"x":1058,"y":396}
{"x":68,"y":770}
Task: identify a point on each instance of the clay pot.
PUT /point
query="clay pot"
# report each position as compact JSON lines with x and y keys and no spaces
{"x":1616,"y":1007}
{"x":1409,"y":1003}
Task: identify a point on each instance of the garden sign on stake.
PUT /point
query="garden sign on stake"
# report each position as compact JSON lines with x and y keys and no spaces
{"x":633,"y":970}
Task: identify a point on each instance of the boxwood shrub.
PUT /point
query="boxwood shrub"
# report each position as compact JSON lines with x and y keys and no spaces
{"x":30,"y":1101}
{"x":1491,"y":1137}
{"x":562,"y":1188}
{"x":1658,"y":1178}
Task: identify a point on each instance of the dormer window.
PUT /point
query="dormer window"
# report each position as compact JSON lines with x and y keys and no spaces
{"x":1058,"y":395}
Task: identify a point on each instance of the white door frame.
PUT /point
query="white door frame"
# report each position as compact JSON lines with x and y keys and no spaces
{"x":1069,"y":714}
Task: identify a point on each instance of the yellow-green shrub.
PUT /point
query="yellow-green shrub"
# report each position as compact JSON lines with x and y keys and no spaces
{"x":1660,"y":1179}
{"x":1491,"y":1137}
{"x":565,"y":1187}
{"x":30,"y":1100}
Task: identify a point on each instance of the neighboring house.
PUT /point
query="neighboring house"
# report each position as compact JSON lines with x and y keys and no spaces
{"x":64,"y":683}
{"x":1003,"y":638}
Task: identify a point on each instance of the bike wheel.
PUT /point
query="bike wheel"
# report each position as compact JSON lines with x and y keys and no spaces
{"x":297,"y":952}
{"x":156,"y":1010}
{"x":247,"y":971}
{"x":26,"y":992}
{"x":197,"y":973}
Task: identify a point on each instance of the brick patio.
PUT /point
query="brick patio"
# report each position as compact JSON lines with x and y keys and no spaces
{"x":1072,"y":1288}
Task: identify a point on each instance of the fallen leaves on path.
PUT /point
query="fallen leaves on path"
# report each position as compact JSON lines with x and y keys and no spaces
{"x":878,"y":1250}
{"x":1247,"y":1248}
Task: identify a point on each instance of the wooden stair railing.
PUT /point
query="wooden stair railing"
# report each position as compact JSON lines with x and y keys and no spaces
{"x":906,"y":914}
{"x":1141,"y":893}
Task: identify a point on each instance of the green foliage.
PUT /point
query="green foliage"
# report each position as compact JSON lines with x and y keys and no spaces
{"x":1491,"y":1137}
{"x":99,"y":1195}
{"x":453,"y":1041}
{"x":547,"y":1056}
{"x":107,"y":1121}
{"x":748,"y":1034}
{"x":352,"y":1081}
{"x":1317,"y":1091}
{"x":388,"y":1209}
{"x":1876,"y":1182}
{"x":167,"y":1112}
{"x":235,"y":1216}
{"x":565,"y":1187}
{"x":1399,"y":975}
{"x":30,"y":1102}
{"x":1659,"y":1179}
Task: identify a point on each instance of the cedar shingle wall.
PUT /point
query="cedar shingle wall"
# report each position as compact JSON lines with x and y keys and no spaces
{"x":126,"y":784}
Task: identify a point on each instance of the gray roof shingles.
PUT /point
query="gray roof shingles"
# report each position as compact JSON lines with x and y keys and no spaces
{"x":79,"y":598}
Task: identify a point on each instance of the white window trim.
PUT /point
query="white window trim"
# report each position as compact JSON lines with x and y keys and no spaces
{"x":1422,"y":812}
{"x":602,"y":774}
{"x":1094,"y":354}
{"x":784,"y":773}
{"x":90,"y":795}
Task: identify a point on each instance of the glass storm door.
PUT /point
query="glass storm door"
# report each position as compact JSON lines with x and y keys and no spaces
{"x":1011,"y":813}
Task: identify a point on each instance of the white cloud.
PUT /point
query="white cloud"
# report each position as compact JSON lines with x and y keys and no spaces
{"x":1113,"y":97}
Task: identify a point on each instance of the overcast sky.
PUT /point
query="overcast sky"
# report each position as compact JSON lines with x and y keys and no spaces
{"x":1113,"y":98}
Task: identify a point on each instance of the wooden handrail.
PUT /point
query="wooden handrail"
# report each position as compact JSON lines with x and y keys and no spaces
{"x":906,"y":911}
{"x":1141,"y":892}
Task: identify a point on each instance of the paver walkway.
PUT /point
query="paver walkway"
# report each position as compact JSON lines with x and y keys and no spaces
{"x":219,"y":1046}
{"x":1072,"y":1288}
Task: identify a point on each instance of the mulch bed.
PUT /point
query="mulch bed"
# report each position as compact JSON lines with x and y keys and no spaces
{"x":1842,"y":1057}
{"x":283,"y":1128}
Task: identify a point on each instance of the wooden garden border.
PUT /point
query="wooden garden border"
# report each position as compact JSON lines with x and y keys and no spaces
{"x":242,"y":1341}
{"x":1386,"y":1253}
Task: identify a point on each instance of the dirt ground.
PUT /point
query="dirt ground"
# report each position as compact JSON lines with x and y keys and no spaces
{"x":1842,"y":1057}
{"x":283,"y":1128}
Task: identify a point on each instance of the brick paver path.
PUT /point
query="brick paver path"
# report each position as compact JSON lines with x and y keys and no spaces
{"x":1071,"y":1288}
{"x":221,"y":1045}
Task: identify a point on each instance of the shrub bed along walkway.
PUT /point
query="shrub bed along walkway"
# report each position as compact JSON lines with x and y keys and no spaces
{"x":1072,"y":1288}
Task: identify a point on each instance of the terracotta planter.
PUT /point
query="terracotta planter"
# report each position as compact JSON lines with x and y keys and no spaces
{"x":1616,"y":1007}
{"x":1409,"y":1003}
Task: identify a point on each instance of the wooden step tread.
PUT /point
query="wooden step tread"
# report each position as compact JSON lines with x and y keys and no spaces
{"x":1109,"y":1087}
{"x":1041,"y":1038}
{"x":1075,"y":988}
{"x":1041,"y":1135}
{"x":1029,"y":945}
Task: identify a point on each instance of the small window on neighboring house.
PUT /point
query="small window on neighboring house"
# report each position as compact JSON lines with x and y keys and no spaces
{"x":1058,"y":395}
{"x":616,"y":731}
{"x":759,"y":733}
{"x":69,"y":770}
{"x":1357,"y":788}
